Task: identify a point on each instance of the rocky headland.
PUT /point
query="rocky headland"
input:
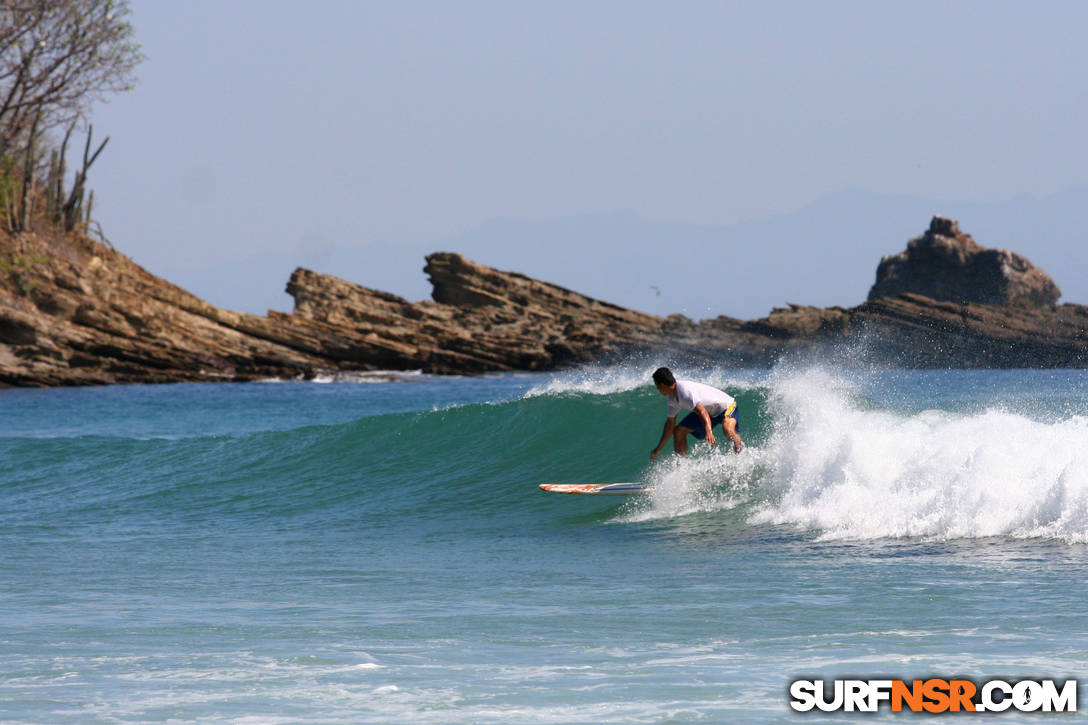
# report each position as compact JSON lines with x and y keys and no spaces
{"x":76,"y":312}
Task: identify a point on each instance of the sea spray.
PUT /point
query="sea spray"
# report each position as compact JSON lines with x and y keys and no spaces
{"x":844,"y":465}
{"x":607,"y":380}
{"x":853,"y":473}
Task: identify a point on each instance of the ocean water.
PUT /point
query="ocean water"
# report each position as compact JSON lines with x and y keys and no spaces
{"x":380,"y":552}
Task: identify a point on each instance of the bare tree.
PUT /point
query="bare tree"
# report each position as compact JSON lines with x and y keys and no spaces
{"x":57,"y":57}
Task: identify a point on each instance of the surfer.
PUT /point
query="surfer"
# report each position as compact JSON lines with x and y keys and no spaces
{"x":709,"y":407}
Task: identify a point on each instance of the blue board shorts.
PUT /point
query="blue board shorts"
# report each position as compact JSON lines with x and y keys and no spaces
{"x":695,"y":423}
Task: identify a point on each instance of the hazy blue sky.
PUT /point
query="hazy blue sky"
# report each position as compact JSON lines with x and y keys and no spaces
{"x":571,"y":141}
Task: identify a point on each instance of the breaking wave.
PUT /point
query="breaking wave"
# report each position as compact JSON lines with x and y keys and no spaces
{"x":840,"y":465}
{"x":832,"y":457}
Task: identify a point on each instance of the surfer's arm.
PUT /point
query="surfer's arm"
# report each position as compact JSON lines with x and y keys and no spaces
{"x":666,"y":434}
{"x":706,"y":423}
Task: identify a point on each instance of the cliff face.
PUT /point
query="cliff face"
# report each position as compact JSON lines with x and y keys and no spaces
{"x":73,"y":312}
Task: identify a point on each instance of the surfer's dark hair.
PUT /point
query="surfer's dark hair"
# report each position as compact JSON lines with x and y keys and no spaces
{"x":664,"y":376}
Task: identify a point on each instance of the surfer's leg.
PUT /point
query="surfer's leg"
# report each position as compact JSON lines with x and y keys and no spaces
{"x":680,"y":439}
{"x":690,"y":425}
{"x":729,"y":427}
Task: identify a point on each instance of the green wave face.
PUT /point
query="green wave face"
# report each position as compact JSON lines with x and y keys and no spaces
{"x":910,"y":455}
{"x":482,"y":459}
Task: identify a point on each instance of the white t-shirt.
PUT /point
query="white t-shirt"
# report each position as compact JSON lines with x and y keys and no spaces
{"x":689,"y":394}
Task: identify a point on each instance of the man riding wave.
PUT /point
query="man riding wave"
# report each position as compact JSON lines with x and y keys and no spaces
{"x":709,"y":407}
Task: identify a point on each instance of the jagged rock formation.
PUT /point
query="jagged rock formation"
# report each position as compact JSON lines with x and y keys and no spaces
{"x":75,"y":312}
{"x":497,"y":320}
{"x":947,"y":265}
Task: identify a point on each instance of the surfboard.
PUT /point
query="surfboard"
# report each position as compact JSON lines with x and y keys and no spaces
{"x":597,"y":489}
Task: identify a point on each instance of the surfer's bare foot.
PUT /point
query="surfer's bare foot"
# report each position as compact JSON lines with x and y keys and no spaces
{"x":738,"y":445}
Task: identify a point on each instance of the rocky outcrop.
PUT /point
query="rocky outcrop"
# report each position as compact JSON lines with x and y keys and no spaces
{"x":74,"y":312}
{"x":500,"y":320}
{"x":947,"y":265}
